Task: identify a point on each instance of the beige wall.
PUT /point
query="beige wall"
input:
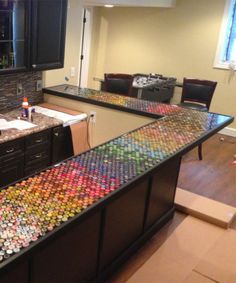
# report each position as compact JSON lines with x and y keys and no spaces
{"x":176,"y":42}
{"x":72,"y":48}
{"x":109,"y":123}
{"x":179,"y":42}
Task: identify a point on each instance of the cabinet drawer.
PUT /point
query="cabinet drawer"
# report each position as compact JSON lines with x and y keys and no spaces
{"x":37,"y":139}
{"x":36,"y":156}
{"x":11,"y":147}
{"x":35,"y":167}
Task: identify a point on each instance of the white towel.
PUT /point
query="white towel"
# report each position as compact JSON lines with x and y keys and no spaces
{"x":66,"y":118}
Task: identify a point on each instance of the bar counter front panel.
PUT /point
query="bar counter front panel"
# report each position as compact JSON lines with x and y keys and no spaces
{"x":78,"y":221}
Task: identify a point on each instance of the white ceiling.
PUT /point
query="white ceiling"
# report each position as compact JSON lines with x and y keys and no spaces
{"x":132,"y":3}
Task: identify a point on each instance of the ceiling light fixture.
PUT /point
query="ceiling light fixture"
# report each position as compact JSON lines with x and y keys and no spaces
{"x":108,"y":6}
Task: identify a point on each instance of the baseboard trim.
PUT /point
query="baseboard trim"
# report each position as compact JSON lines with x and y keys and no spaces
{"x":228,"y":131}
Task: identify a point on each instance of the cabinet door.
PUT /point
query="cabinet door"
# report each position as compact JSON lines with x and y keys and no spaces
{"x":11,"y":169}
{"x":62,"y":146}
{"x":14,"y":44}
{"x":48,"y":34}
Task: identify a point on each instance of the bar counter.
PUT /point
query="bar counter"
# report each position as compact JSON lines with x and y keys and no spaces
{"x":41,"y":122}
{"x":79,"y":220}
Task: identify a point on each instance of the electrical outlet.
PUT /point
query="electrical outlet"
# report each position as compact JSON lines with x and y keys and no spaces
{"x":93,"y":116}
{"x":72,"y":72}
{"x":38,"y":85}
{"x":19,"y":89}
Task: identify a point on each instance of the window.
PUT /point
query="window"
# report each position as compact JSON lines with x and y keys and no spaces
{"x":226,"y":50}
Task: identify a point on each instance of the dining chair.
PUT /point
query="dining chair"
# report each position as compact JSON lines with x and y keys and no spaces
{"x":119,"y":83}
{"x":197,"y":94}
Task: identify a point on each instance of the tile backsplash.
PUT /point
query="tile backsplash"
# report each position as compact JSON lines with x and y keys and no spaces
{"x":8,"y":90}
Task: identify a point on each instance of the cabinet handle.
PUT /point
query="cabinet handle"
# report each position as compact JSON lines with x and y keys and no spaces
{"x":38,"y":155}
{"x":39,"y":140}
{"x":10,"y":150}
{"x":34,"y":66}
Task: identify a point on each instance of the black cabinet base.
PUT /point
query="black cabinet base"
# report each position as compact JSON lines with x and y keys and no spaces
{"x":19,"y":273}
{"x":116,"y":264}
{"x":123,"y":223}
{"x":136,"y":215}
{"x":71,"y":257}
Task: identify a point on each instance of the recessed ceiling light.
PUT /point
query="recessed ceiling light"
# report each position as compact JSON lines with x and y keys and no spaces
{"x":108,"y":6}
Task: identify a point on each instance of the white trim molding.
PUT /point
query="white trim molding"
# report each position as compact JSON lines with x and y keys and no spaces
{"x":221,"y":46}
{"x":86,"y":47}
{"x":228,"y":131}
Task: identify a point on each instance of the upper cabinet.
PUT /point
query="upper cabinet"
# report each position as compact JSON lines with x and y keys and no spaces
{"x":32,"y":34}
{"x":48,"y":34}
{"x":14,"y":20}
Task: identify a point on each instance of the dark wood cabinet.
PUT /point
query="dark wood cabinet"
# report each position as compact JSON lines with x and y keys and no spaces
{"x":32,"y":35}
{"x":11,"y":169}
{"x":71,"y":257}
{"x":11,"y":148}
{"x":25,"y":156}
{"x":37,"y":139}
{"x":62,"y":146}
{"x":48,"y":34}
{"x":14,"y":36}
{"x":37,"y":151}
{"x":11,"y":161}
{"x":124,"y":220}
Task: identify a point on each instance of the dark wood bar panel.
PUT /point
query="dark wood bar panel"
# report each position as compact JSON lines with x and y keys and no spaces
{"x":71,"y":257}
{"x":123,"y":222}
{"x":19,"y":273}
{"x":162,"y":191}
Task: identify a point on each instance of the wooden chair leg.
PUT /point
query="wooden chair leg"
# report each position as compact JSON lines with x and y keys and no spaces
{"x":200,"y":151}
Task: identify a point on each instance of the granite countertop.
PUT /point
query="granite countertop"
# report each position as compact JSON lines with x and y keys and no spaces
{"x":43,"y":122}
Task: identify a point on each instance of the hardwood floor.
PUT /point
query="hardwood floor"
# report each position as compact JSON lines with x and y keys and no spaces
{"x":215,"y":175}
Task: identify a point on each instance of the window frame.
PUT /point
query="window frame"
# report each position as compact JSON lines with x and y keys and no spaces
{"x":221,"y":46}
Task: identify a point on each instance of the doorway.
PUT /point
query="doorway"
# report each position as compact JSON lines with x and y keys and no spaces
{"x":86,"y":36}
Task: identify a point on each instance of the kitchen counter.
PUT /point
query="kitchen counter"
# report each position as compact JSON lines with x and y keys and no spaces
{"x":42,"y":123}
{"x":31,"y":147}
{"x":83,"y":217}
{"x":114,"y":101}
{"x":182,"y":120}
